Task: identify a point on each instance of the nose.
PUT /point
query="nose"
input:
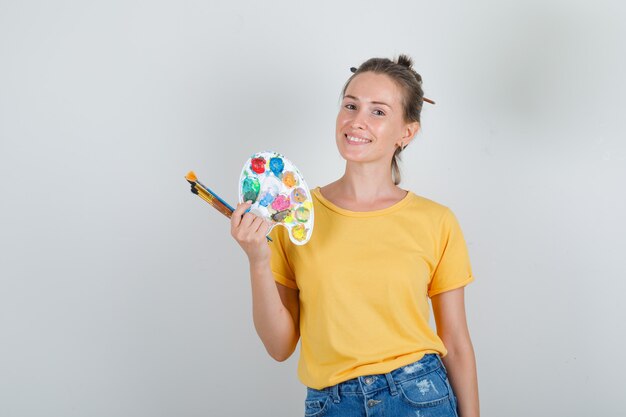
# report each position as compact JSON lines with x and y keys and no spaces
{"x":358,"y":121}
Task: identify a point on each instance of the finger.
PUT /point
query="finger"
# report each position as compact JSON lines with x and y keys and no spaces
{"x":263,"y":225}
{"x":264,"y":230}
{"x":261,"y":232}
{"x":269,"y":226}
{"x":253,"y":223}
{"x":248,"y":221}
{"x":254,"y":229}
{"x":242,"y":208}
{"x":256,"y":224}
{"x":236,"y":217}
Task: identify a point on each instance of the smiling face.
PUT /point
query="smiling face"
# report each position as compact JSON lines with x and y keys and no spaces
{"x":370,"y":124}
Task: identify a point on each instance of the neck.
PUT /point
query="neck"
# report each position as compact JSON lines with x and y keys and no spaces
{"x":364,"y":183}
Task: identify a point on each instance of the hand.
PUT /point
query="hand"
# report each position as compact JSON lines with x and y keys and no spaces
{"x":250,"y":231}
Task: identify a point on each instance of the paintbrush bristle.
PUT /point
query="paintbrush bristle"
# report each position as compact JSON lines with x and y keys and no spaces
{"x":191,"y":176}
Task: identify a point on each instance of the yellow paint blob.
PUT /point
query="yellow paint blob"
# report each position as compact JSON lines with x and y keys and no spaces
{"x":299,"y":232}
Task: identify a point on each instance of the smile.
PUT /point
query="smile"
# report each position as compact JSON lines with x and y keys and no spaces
{"x":357,"y":141}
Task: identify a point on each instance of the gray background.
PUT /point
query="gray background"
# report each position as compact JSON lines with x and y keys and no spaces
{"x":122,"y":294}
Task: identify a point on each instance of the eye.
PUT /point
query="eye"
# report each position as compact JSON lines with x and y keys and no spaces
{"x":350,"y":106}
{"x":379,"y":112}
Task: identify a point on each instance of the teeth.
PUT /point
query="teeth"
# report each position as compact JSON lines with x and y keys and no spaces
{"x":353,"y":139}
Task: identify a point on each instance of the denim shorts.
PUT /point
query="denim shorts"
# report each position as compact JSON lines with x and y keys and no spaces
{"x":418,"y":389}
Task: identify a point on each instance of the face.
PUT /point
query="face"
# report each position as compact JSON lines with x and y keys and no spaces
{"x":370,"y":123}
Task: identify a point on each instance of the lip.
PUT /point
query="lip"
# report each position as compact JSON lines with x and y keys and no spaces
{"x":357,"y":143}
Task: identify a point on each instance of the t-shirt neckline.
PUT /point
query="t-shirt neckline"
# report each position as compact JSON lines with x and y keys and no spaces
{"x":399,"y":204}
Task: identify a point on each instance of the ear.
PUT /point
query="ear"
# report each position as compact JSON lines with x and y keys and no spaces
{"x":410,"y":130}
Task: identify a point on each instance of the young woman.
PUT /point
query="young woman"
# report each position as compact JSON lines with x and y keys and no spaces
{"x":357,"y":292}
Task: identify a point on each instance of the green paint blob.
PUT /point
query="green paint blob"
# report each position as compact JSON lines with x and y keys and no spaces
{"x":303,"y":214}
{"x":250,"y":188}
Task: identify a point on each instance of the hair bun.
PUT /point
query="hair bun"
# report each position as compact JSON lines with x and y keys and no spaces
{"x":405,"y":60}
{"x":353,"y":69}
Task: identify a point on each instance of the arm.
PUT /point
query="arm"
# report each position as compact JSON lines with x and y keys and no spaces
{"x":449,"y":312}
{"x":275,"y":310}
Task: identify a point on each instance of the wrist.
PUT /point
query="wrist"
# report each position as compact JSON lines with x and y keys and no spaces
{"x":259,"y":264}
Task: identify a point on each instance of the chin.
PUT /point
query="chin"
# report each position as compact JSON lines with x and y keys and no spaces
{"x":351,"y":156}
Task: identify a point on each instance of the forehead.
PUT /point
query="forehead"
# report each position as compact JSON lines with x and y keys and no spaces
{"x":369,"y":86}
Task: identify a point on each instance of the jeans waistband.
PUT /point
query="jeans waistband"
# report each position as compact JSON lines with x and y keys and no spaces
{"x":370,"y":383}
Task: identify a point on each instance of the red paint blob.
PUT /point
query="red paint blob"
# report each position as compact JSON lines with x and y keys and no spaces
{"x":258,"y":165}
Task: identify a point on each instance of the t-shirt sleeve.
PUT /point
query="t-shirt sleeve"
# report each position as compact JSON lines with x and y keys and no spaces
{"x":453,"y":269}
{"x":279,"y":262}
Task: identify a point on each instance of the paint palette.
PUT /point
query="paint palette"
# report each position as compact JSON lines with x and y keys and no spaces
{"x":279,"y":194}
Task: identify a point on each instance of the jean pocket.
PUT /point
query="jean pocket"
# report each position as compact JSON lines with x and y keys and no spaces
{"x":428,"y":390}
{"x":453,"y":400}
{"x":316,"y":403}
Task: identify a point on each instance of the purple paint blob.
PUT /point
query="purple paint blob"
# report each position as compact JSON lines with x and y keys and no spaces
{"x":298,"y":195}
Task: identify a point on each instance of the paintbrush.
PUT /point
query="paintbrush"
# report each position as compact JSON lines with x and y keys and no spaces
{"x":210,"y":197}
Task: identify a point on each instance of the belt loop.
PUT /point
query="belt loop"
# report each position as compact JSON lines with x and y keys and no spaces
{"x":334,"y":392}
{"x":392,"y":384}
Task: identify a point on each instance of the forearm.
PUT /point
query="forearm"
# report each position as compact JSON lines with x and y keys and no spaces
{"x":272,"y":321}
{"x":461,"y":365}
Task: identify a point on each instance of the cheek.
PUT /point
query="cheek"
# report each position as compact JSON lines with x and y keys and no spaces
{"x":341,"y":121}
{"x":338,"y":126}
{"x":390,"y":127}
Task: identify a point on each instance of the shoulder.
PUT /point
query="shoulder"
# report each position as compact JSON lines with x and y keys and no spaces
{"x":438,"y":216}
{"x":427,"y":205}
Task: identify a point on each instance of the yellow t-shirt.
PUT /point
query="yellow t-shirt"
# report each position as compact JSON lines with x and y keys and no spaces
{"x":363,"y":281}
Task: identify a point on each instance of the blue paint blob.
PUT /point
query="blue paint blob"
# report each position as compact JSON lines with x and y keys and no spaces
{"x":277,"y":165}
{"x":267,"y":199}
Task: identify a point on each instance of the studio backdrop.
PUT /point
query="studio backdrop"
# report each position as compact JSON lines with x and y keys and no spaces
{"x":123,"y":294}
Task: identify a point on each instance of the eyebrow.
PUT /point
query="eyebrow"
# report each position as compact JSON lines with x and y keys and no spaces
{"x":373,"y":102}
